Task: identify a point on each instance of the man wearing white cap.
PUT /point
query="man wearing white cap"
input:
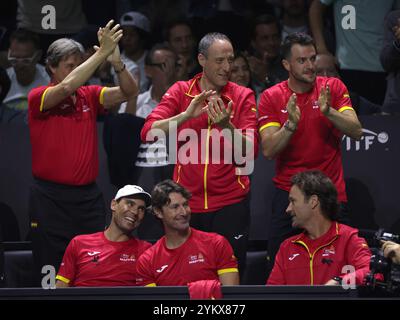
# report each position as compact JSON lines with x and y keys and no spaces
{"x":108,"y":258}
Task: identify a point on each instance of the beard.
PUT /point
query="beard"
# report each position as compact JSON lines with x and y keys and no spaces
{"x":304,"y":79}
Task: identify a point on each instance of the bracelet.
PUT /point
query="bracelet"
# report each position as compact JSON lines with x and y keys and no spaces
{"x":286,"y":125}
{"x":122,"y":69}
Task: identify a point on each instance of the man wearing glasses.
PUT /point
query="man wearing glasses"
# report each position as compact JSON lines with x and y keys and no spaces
{"x":25,"y":73}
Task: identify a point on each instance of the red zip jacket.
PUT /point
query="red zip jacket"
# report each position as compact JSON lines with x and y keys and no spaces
{"x":213,"y":181}
{"x":303,"y":261}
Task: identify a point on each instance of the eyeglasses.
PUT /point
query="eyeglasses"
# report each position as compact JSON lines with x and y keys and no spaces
{"x":25,"y":61}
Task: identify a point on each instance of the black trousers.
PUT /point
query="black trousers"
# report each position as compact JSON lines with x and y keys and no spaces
{"x":57,"y":214}
{"x":280,"y":224}
{"x":232,"y":222}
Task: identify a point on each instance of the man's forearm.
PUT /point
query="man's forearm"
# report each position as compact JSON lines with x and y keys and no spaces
{"x":127,"y":83}
{"x":165,"y":123}
{"x":316,"y":14}
{"x":346,"y":123}
{"x":273,"y":144}
{"x":81,"y":74}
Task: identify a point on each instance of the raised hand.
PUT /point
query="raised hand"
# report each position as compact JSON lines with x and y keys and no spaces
{"x":196,"y":106}
{"x":293,"y":109}
{"x":109,"y":37}
{"x":218,"y":113}
{"x":324,"y":100}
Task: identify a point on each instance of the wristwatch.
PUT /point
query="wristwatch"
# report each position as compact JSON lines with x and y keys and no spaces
{"x":287,"y":126}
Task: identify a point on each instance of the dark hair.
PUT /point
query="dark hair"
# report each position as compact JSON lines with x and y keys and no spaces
{"x":161,"y":192}
{"x":300,"y":38}
{"x":61,"y":49}
{"x":148,"y":60}
{"x":172,"y":24}
{"x":314,"y":182}
{"x":23,"y":35}
{"x":264,"y":19}
{"x":209,"y":39}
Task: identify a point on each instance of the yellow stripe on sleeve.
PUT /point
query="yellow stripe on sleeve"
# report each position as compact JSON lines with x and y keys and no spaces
{"x":61,"y":278}
{"x":254,"y":109}
{"x":345,"y":108}
{"x":42,"y":99}
{"x":101,"y":97}
{"x":270,"y":124}
{"x":222,"y":271}
{"x":151,"y":285}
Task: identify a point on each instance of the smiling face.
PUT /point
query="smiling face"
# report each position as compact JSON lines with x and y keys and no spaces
{"x":217,"y":65}
{"x":176,"y":214}
{"x":127,"y":213}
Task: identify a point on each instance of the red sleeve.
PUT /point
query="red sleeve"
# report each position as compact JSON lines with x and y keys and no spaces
{"x":225,"y":259}
{"x":144,"y":275}
{"x":340,"y":98}
{"x":35,"y":101}
{"x":277,"y":275}
{"x":168,"y":107}
{"x":95,"y":94}
{"x":67,"y":270}
{"x":266,"y":112}
{"x":358,"y":256}
{"x":248,"y":119}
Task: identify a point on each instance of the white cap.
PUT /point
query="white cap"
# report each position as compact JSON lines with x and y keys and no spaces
{"x":135,"y":19}
{"x":131,"y":190}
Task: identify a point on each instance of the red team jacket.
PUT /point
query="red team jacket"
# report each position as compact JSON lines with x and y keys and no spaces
{"x":303,"y":261}
{"x":213,"y":185}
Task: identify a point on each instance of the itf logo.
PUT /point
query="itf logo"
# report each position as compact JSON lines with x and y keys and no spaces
{"x":367,"y":140}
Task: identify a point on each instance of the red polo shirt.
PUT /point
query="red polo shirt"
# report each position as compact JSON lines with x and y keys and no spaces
{"x":64,"y":138}
{"x":316,"y":144}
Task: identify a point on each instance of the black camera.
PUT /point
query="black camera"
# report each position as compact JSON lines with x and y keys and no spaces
{"x":384,"y":276}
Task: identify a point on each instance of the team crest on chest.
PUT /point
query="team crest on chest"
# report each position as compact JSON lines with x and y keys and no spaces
{"x":196,"y":258}
{"x":126,"y":257}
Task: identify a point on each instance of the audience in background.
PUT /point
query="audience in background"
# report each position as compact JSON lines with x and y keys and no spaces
{"x":265,"y":59}
{"x":25,"y":72}
{"x":179,"y":36}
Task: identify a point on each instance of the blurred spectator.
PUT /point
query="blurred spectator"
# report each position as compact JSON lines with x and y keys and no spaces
{"x":326,"y":66}
{"x":240,"y":72}
{"x":136,"y":28}
{"x":265,"y":60}
{"x":25,"y":74}
{"x":294,"y":17}
{"x":8,"y":115}
{"x":358,"y":45}
{"x":390,"y":59}
{"x":69,"y":19}
{"x":5,"y":84}
{"x":179,"y":36}
{"x":152,"y":165}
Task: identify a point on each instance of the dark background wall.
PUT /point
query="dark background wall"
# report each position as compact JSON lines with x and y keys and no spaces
{"x":372,"y":171}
